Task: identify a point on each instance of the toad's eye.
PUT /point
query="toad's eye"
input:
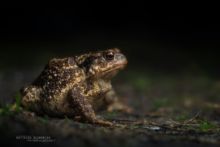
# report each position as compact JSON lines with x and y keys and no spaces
{"x":109,"y":56}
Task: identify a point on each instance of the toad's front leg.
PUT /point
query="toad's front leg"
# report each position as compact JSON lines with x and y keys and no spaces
{"x":84,"y":109}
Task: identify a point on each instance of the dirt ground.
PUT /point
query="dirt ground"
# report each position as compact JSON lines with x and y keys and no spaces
{"x":170,"y":110}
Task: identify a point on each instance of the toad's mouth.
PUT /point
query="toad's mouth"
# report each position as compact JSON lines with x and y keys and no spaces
{"x":113,"y":70}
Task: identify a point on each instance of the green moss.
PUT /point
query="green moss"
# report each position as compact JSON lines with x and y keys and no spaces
{"x":18,"y":102}
{"x":181,"y":117}
{"x":18,"y":99}
{"x":6,"y":110}
{"x":205,"y":126}
{"x":11,"y":109}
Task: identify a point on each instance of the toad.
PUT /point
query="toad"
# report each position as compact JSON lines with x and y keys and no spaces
{"x":77,"y":87}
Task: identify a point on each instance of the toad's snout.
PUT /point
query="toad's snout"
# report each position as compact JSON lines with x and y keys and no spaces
{"x":120,"y":58}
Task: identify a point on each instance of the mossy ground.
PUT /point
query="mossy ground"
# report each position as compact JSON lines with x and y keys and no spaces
{"x":170,"y":110}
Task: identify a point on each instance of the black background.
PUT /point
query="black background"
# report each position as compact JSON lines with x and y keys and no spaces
{"x":163,"y":37}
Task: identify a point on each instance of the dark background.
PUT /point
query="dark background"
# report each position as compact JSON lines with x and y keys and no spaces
{"x":166,"y":38}
{"x":179,"y":42}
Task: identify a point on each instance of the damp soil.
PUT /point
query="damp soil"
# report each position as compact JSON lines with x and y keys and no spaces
{"x":170,"y":110}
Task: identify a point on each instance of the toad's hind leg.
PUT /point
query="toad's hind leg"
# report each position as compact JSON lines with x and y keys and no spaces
{"x":84,"y":109}
{"x":113,"y":103}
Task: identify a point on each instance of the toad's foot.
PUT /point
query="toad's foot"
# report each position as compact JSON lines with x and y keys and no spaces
{"x":102,"y":122}
{"x":117,"y":106}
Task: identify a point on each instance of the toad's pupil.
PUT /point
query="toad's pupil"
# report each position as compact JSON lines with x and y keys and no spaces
{"x":109,"y":56}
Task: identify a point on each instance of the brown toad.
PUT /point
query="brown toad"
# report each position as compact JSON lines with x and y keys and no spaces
{"x":77,"y":86}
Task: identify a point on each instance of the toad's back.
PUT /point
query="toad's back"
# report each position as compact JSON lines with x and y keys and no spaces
{"x":58,"y":77}
{"x":52,"y":85}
